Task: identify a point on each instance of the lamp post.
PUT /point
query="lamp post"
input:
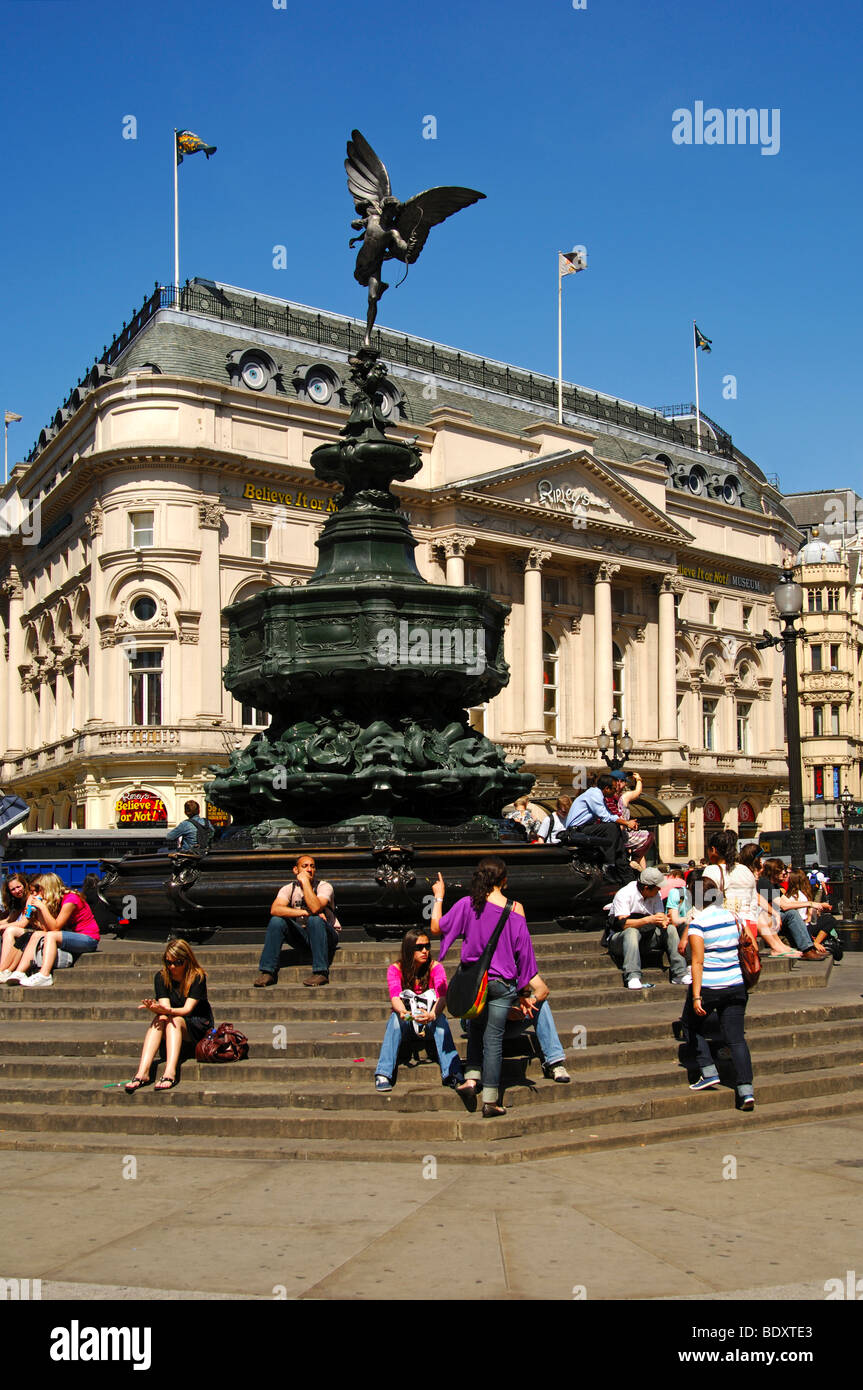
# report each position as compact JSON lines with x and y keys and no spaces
{"x":619,"y":746}
{"x":788,"y":597}
{"x":846,"y":805}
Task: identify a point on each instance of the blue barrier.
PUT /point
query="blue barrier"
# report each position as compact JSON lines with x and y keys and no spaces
{"x":71,"y":871}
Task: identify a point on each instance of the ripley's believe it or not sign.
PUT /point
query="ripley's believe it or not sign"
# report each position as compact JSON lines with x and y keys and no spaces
{"x":289,"y":499}
{"x":141,"y":807}
{"x":711,"y":576}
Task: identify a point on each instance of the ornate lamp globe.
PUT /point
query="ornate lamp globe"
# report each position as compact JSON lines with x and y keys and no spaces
{"x":614,"y":726}
{"x":603,"y":740}
{"x":788,"y":595}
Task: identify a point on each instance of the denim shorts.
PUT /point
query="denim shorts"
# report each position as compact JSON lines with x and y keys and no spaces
{"x":77,"y":942}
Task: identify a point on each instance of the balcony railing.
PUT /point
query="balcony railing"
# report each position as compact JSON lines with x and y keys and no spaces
{"x":274,"y":316}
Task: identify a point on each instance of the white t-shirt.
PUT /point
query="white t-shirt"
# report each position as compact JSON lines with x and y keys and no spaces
{"x":741,"y":892}
{"x":292,"y":895}
{"x":630,"y":901}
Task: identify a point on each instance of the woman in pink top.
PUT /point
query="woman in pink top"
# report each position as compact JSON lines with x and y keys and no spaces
{"x":62,"y":920}
{"x":418,"y":995}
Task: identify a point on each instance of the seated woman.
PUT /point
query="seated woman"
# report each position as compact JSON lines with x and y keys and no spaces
{"x":520,"y":815}
{"x":512,"y":966}
{"x":637,"y":842}
{"x":413,"y":974}
{"x":62,"y":920}
{"x":13,"y":923}
{"x":182,"y":1015}
{"x":533,"y":1010}
{"x":743,"y":898}
{"x":800,"y":916}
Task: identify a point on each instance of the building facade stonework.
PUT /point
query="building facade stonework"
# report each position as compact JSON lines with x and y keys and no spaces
{"x":177,"y":480}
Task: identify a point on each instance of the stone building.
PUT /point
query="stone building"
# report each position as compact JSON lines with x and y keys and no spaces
{"x":830,"y":568}
{"x":175,"y":479}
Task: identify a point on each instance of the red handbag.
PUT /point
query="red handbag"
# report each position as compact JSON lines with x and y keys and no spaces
{"x":750,"y":961}
{"x":223,"y":1044}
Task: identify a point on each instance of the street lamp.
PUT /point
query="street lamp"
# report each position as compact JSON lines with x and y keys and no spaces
{"x":788,"y":597}
{"x":846,"y":805}
{"x":619,"y":746}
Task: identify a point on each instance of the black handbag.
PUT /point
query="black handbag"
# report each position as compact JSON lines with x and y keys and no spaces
{"x":467,"y":991}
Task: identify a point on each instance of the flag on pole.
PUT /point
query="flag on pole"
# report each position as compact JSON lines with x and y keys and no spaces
{"x":571,"y":261}
{"x":189,"y":143}
{"x":10,"y":417}
{"x":700,"y":340}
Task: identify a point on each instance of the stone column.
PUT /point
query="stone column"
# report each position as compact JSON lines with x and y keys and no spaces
{"x":79,"y":693}
{"x":455,"y":547}
{"x":667,"y":659}
{"x":602,"y":655}
{"x":207,"y":657}
{"x":96,"y":711}
{"x":15,"y":695}
{"x":534,"y":724}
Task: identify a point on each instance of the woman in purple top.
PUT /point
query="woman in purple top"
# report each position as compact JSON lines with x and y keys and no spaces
{"x":513,"y":965}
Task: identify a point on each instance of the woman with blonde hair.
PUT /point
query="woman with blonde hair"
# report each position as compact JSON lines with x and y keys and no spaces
{"x":62,"y":920}
{"x":182,"y":1014}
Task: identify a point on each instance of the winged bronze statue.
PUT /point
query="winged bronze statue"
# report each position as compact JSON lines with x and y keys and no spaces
{"x":390,"y":229}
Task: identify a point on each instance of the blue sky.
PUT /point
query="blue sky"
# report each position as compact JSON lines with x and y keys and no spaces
{"x":562,"y":117}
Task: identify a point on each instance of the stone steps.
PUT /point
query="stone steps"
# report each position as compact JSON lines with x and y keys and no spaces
{"x":65,"y":1052}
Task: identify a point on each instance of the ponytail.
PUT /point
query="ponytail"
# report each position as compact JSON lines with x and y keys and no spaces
{"x":489,"y":873}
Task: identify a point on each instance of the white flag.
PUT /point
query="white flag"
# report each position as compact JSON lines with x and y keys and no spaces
{"x":10,"y":417}
{"x":571,"y":261}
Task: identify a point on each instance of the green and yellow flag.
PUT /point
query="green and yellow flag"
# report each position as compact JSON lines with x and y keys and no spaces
{"x":700,"y":340}
{"x":189,"y":143}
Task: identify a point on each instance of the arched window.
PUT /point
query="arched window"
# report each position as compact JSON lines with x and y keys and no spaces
{"x":549,"y":685}
{"x":617,"y":682}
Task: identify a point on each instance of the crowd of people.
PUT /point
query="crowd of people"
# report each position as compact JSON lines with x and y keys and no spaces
{"x":694,"y":915}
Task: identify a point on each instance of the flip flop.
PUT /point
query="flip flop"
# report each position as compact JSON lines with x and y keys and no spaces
{"x":166,"y":1084}
{"x":135,"y":1084}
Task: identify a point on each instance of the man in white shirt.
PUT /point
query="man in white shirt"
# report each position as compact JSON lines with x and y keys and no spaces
{"x":554,"y":825}
{"x":302,"y":912}
{"x":638,"y":922}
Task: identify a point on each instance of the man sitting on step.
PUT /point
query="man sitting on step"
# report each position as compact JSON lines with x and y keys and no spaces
{"x":590,"y":816}
{"x":303,"y":913}
{"x":638,"y":923}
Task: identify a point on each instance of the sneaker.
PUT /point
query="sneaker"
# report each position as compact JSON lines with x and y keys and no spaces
{"x":17,"y":977}
{"x":4,"y":976}
{"x":705,"y":1083}
{"x":746,"y":1103}
{"x":685,"y":979}
{"x":38,"y":981}
{"x":383,"y":1083}
{"x":559,"y":1073}
{"x":634,"y":983}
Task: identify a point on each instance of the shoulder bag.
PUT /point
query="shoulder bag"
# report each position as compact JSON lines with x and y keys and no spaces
{"x":750,"y":961}
{"x":467,"y":991}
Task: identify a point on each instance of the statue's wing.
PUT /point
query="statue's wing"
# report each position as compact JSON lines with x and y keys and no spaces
{"x":368,"y":180}
{"x":419,"y":214}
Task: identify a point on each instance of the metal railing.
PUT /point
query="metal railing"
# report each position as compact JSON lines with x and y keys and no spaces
{"x":271,"y":316}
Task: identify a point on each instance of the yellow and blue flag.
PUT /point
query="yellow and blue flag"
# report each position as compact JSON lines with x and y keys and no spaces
{"x":189,"y":143}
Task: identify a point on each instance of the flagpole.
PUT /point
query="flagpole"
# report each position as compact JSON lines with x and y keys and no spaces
{"x":176,"y":231}
{"x":5,"y":452}
{"x":697,"y":406}
{"x":559,"y":343}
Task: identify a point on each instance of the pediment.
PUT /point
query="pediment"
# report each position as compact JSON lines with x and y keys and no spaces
{"x":575,"y":487}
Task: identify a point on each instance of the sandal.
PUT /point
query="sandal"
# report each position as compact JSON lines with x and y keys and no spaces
{"x":490,"y":1109}
{"x":166,"y":1084}
{"x":135,"y":1084}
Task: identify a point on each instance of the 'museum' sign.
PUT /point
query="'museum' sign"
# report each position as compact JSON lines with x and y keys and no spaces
{"x":711,"y":576}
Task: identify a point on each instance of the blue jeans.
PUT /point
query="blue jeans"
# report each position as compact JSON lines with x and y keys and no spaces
{"x":794,"y":926}
{"x":485,"y":1037}
{"x":730,"y":1006}
{"x":550,"y":1045}
{"x":77,"y":942}
{"x":318,"y":937}
{"x":401,"y":1031}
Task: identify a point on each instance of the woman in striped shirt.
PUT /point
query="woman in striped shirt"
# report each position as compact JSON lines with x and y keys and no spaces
{"x":718,"y":987}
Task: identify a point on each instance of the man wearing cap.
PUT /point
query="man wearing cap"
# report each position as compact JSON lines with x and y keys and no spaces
{"x":638,"y":922}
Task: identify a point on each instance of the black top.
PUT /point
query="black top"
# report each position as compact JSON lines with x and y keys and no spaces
{"x":176,"y":998}
{"x":771,"y":892}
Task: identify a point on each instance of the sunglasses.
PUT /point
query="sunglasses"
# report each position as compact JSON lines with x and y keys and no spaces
{"x":423,"y":946}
